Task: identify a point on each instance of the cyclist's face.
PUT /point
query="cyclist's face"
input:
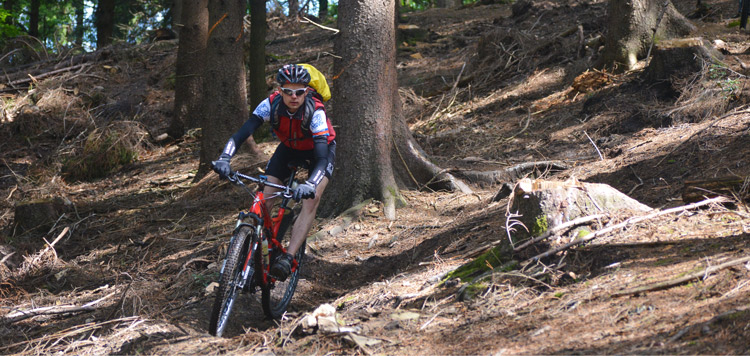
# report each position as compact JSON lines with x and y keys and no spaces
{"x":293,"y":101}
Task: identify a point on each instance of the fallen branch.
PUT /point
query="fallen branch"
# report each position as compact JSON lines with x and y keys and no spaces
{"x":75,"y":330}
{"x":50,"y":246}
{"x":632,"y":220}
{"x":553,"y":231}
{"x":46,"y":74}
{"x":11,"y":318}
{"x":306,"y":20}
{"x":677,"y":281}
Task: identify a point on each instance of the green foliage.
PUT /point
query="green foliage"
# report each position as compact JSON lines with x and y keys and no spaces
{"x":730,"y":87}
{"x":333,"y":11}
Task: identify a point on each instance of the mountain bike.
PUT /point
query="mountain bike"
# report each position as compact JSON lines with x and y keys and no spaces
{"x":255,"y":242}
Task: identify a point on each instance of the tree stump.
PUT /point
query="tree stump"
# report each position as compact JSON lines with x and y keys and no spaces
{"x":680,"y":58}
{"x":630,"y":30}
{"x":546,"y":204}
{"x":39,"y":215}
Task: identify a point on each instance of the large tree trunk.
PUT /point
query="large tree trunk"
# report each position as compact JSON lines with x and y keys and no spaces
{"x":257,"y":57}
{"x":376,"y":152}
{"x":105,"y":22}
{"x":177,"y":8}
{"x":293,"y":8}
{"x":630,"y":30}
{"x":79,"y":6}
{"x":34,"y":18}
{"x":225,"y":93}
{"x":322,"y":10}
{"x":189,"y":67}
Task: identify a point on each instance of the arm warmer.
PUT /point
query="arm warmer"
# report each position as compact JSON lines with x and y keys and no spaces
{"x":240,"y":136}
{"x":320,"y":160}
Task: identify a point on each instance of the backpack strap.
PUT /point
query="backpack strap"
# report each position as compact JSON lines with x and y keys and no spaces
{"x":309,"y":107}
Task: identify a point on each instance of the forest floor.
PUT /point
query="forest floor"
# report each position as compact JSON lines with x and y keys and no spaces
{"x":485,"y":89}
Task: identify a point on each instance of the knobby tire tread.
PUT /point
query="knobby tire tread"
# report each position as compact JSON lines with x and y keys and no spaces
{"x":228,"y":292}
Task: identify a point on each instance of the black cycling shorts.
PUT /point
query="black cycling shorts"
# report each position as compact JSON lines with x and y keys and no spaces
{"x":278,"y":164}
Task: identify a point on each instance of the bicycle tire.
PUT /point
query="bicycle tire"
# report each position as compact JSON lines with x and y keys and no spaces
{"x":228,"y":290}
{"x":276,"y":298}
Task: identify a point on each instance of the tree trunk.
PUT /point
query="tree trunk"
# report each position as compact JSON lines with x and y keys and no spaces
{"x":177,"y":8}
{"x":257,"y":57}
{"x":34,"y":18}
{"x":224,"y":90}
{"x":322,"y":10}
{"x":189,"y":67}
{"x":79,"y":8}
{"x":105,"y":22}
{"x":630,"y":30}
{"x":293,"y":8}
{"x":376,"y":153}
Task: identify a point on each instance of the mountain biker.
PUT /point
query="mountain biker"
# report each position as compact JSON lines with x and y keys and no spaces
{"x":298,"y":118}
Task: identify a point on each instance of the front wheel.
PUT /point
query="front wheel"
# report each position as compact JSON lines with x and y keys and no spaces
{"x":276,"y":297}
{"x":231,"y":280}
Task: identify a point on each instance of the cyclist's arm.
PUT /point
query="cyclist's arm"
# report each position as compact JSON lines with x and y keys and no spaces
{"x":319,"y":129}
{"x":259,"y":115}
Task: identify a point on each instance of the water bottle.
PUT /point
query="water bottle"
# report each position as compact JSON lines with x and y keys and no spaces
{"x":264,"y":246}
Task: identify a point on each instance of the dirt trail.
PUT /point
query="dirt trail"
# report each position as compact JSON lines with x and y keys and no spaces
{"x":149,"y":241}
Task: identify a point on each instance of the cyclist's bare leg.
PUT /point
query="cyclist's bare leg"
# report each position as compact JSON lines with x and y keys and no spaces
{"x":306,"y":216}
{"x":267,"y":191}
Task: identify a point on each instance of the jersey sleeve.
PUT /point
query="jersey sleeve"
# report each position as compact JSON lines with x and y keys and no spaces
{"x":263,"y":110}
{"x":319,"y":124}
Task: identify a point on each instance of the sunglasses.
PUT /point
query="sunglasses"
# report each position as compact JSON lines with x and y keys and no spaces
{"x":290,"y":92}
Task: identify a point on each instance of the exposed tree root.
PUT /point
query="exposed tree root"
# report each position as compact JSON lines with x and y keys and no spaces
{"x":512,"y":173}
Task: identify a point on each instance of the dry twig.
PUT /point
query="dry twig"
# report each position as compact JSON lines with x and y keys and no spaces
{"x":677,"y":281}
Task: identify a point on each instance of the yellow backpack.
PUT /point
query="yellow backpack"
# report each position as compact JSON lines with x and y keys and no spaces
{"x":318,"y":81}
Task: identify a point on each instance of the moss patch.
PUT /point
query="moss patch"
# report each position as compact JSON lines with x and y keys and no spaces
{"x":497,"y":258}
{"x":540,"y":226}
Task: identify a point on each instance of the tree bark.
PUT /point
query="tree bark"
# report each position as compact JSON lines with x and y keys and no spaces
{"x":224,"y":90}
{"x":79,"y":7}
{"x":34,"y":18}
{"x":322,"y":10}
{"x":376,"y":152}
{"x":542,"y":205}
{"x":257,"y":57}
{"x":105,"y":22}
{"x":189,"y":67}
{"x":630,"y":30}
{"x":177,"y":8}
{"x":293,"y":8}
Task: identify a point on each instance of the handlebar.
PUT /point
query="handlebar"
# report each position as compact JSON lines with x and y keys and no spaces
{"x":235,"y":177}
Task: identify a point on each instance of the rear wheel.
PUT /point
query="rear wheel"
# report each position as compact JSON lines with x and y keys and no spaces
{"x":231,"y":279}
{"x":275,"y":298}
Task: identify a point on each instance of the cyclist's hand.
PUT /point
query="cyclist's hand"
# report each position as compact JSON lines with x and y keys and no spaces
{"x":222,"y":167}
{"x":304,"y":191}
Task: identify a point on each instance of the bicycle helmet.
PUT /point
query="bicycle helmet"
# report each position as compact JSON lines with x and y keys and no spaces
{"x":293,"y":74}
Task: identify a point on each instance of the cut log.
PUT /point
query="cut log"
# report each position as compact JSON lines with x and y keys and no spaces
{"x":697,"y":190}
{"x":546,"y":204}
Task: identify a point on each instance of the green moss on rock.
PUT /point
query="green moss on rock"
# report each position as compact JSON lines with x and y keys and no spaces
{"x":497,"y":258}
